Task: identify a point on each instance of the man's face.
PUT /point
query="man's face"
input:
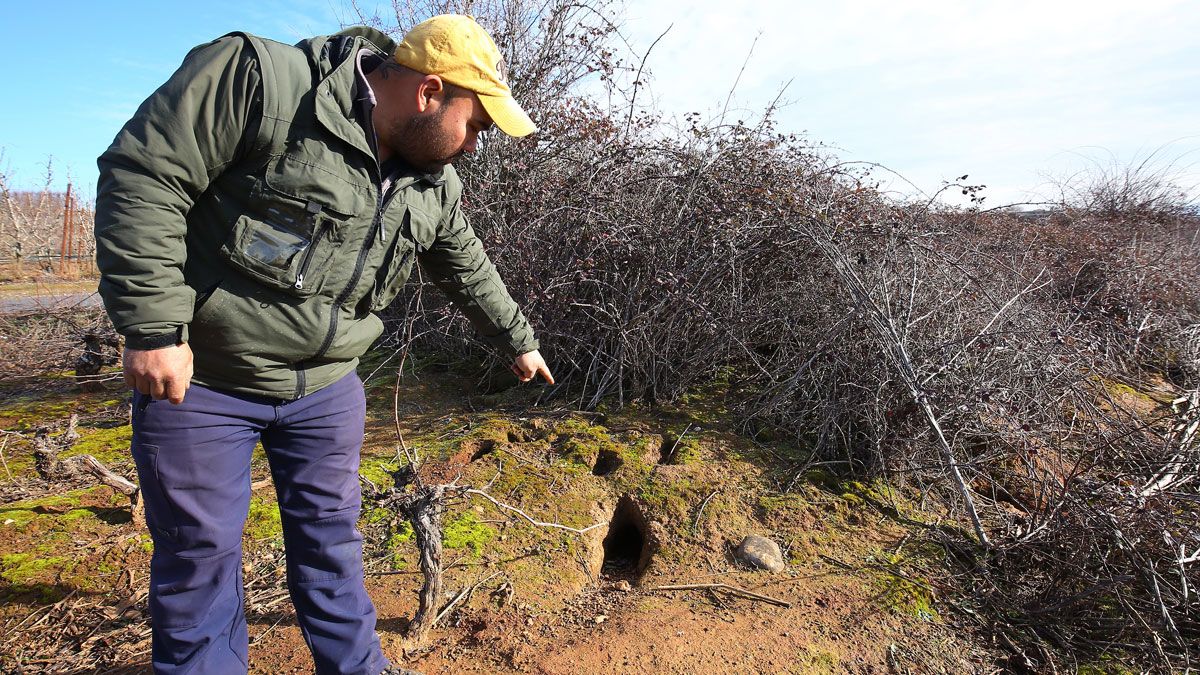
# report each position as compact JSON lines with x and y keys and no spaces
{"x":441,"y":134}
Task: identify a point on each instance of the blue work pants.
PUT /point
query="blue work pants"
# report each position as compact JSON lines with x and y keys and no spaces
{"x":193,"y":461}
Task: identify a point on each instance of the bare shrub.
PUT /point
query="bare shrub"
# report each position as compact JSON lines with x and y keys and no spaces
{"x":1081,"y":476}
{"x":1148,"y":188}
{"x":1033,"y":360}
{"x":37,"y":343}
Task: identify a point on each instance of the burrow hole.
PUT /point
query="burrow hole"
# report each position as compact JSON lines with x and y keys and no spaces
{"x":625,"y":543}
{"x":668,"y":453}
{"x":484,"y":448}
{"x":607,"y":462}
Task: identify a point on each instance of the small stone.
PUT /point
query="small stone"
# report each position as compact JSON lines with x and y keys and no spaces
{"x":9,"y":521}
{"x":601,"y":618}
{"x":623,"y":586}
{"x":529,"y":621}
{"x":760,"y":552}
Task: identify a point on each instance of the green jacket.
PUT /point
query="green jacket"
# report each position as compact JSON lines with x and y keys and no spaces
{"x":240,"y":211}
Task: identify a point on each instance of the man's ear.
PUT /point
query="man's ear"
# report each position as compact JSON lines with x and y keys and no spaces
{"x":429,"y":90}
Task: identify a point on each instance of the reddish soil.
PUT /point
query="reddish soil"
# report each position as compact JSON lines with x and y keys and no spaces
{"x":834,"y":625}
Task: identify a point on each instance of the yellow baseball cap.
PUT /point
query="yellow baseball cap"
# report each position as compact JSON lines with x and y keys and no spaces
{"x":457,"y":49}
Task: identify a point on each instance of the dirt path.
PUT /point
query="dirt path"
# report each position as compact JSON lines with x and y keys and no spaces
{"x":17,"y":304}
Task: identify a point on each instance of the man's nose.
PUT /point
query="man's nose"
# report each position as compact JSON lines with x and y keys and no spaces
{"x":472,"y":140}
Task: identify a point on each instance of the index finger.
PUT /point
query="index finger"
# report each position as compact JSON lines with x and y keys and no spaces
{"x":545,"y":373}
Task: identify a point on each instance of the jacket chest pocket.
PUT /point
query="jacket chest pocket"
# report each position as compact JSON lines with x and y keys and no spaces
{"x":287,"y":249}
{"x":417,"y":232}
{"x":300,"y":213}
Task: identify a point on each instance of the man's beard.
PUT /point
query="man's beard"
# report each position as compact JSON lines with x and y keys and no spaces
{"x":423,"y":143}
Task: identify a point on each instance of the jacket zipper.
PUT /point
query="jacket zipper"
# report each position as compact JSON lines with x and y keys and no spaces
{"x":308,"y":255}
{"x":313,"y":210}
{"x":381,"y":205}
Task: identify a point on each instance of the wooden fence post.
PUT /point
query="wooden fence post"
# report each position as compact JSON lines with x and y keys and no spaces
{"x":64,"y":249}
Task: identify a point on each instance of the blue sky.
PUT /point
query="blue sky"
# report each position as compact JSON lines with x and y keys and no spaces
{"x":76,"y":71}
{"x":1008,"y":92}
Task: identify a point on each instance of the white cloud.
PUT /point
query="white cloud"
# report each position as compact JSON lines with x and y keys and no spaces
{"x":933,"y":89}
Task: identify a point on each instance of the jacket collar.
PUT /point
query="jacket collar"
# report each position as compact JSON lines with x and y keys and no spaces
{"x":335,"y":56}
{"x":335,"y":92}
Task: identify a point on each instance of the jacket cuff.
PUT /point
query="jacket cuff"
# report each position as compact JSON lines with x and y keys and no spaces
{"x":158,"y":341}
{"x":515,"y":341}
{"x":531,"y":346}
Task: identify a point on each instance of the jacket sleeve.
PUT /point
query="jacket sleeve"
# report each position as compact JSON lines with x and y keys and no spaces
{"x":460,"y":267}
{"x":178,"y":141}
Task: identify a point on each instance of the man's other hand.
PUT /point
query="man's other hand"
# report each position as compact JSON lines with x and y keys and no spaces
{"x":161,"y":373}
{"x":529,"y":365}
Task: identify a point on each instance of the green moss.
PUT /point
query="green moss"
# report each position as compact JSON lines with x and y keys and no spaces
{"x":579,"y":443}
{"x":23,"y":413}
{"x":19,"y":517}
{"x":105,"y":567}
{"x":77,"y":514}
{"x":377,"y":515}
{"x":904,"y":596}
{"x":907,"y":594}
{"x":683,"y":450}
{"x":466,"y":532}
{"x":110,"y":446}
{"x":26,"y":416}
{"x":852,"y":499}
{"x":378,"y":470}
{"x":263,"y":521}
{"x":495,"y":429}
{"x":399,"y":544}
{"x":27,"y":568}
{"x":540,"y":490}
{"x":668,"y":498}
{"x":816,"y":661}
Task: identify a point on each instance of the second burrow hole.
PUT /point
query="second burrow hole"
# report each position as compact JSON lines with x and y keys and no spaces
{"x":627,"y":549}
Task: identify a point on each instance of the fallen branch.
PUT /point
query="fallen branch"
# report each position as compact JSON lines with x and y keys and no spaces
{"x":50,"y":467}
{"x":464,"y":593}
{"x":669,"y":457}
{"x":700,"y":511}
{"x":526,"y":516}
{"x":89,"y":464}
{"x":4,"y":461}
{"x":733,"y":590}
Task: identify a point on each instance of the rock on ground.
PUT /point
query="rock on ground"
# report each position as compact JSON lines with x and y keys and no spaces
{"x":761,"y":552}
